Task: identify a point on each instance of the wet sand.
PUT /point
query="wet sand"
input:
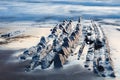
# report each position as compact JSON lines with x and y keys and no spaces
{"x":15,"y":71}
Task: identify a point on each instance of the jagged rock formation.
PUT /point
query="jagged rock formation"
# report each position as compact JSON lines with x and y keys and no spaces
{"x":62,"y":43}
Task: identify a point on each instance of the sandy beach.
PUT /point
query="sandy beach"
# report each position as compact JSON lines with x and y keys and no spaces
{"x":12,"y":70}
{"x":15,"y":71}
{"x":30,"y":37}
